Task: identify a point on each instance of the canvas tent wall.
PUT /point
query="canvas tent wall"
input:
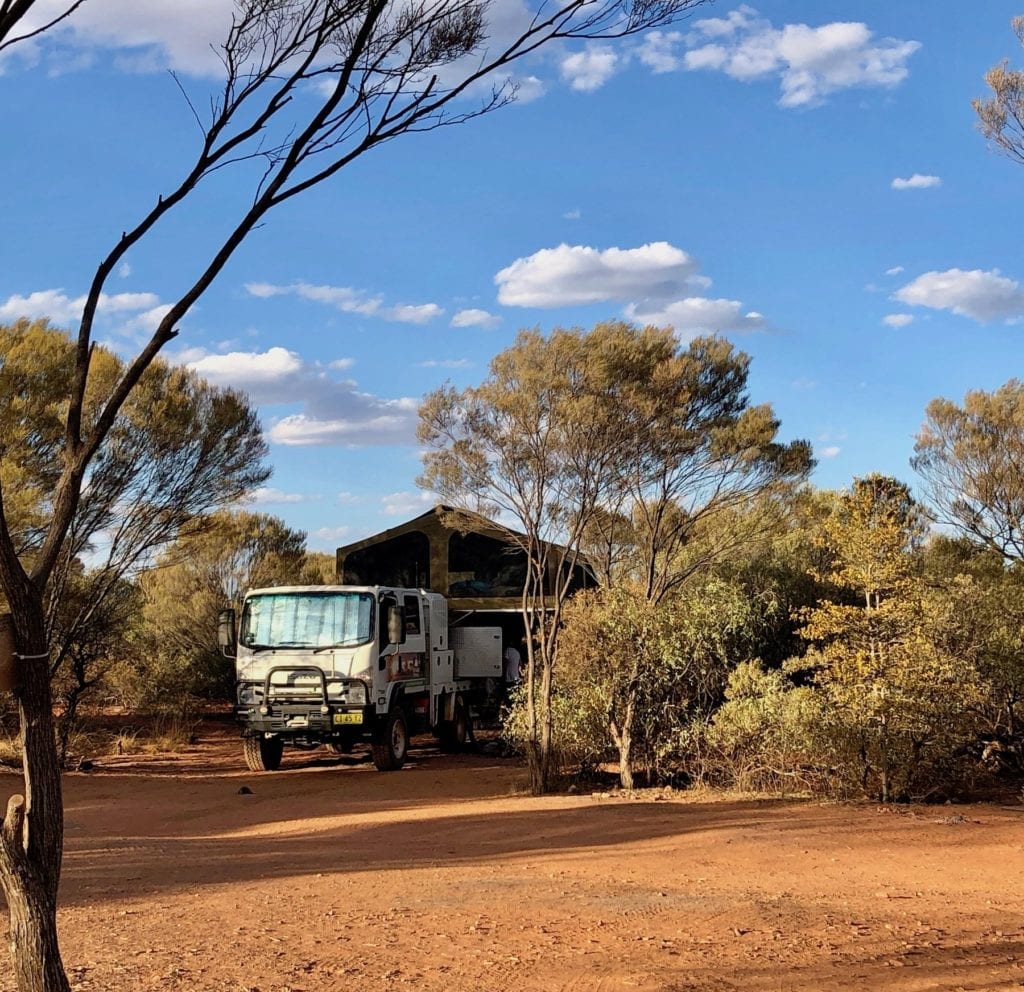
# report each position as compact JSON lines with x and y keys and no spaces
{"x":478,"y":569}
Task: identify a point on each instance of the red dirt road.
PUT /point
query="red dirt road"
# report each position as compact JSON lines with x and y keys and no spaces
{"x":441,"y":878}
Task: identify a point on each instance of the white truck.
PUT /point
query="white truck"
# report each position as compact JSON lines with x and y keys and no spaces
{"x":334,"y":665}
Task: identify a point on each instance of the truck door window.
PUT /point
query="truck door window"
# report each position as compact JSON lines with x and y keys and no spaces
{"x":385,"y":605}
{"x":412,"y":615}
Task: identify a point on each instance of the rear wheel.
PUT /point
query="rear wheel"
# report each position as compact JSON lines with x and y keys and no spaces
{"x":454,"y":733}
{"x":263,"y":754}
{"x":391,"y":743}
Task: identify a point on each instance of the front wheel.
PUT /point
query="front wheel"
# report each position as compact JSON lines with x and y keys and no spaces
{"x":263,"y":754}
{"x":391,"y":744}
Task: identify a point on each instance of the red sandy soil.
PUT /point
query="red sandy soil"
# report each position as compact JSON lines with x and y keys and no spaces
{"x":445,"y":877}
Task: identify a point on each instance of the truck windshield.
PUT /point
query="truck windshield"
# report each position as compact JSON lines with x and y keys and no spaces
{"x":307,"y":620}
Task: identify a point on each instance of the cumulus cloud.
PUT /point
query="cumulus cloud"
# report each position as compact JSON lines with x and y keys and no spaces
{"x":811,"y":63}
{"x":590,"y":68}
{"x":152,"y":36}
{"x":983,"y":296}
{"x":916,"y":181}
{"x":408,"y":504}
{"x":332,"y":411}
{"x":698,"y":315}
{"x":474,"y":318}
{"x":898,"y":319}
{"x":657,"y":283}
{"x":119,"y":313}
{"x":577,"y":274}
{"x":348,"y":300}
{"x":830,"y":452}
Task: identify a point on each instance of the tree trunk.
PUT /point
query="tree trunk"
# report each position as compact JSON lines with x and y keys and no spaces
{"x":33,"y":914}
{"x":625,"y":759}
{"x":32,"y":837}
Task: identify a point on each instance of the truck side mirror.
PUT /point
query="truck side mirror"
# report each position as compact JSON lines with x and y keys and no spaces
{"x":396,"y":625}
{"x":226,"y":636}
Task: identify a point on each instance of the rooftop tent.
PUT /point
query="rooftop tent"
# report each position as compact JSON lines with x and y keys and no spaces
{"x":478,"y":569}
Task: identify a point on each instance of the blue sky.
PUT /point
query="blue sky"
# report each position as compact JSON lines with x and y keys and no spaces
{"x":804,"y":178}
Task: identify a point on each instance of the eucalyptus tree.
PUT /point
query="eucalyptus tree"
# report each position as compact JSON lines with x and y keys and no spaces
{"x":1001,"y":116}
{"x":571,"y":435}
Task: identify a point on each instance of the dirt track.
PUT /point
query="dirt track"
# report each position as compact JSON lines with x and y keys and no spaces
{"x":440,"y":877}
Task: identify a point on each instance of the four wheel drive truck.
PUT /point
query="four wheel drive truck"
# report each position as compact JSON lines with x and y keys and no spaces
{"x":335,"y":665}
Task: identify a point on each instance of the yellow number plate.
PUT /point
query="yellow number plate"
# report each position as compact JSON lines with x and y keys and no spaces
{"x":348,"y":717}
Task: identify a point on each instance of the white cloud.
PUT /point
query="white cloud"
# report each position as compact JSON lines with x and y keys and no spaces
{"x":656,"y":282}
{"x":830,"y":452}
{"x":528,"y":88}
{"x":894,"y":271}
{"x":474,"y":318}
{"x":343,"y":298}
{"x":124,"y":270}
{"x":348,"y":499}
{"x":803,"y":384}
{"x":341,"y":363}
{"x":158,"y":34}
{"x":269,"y":496}
{"x":348,"y":300}
{"x":810,"y":62}
{"x":916,"y":181}
{"x":418,"y":314}
{"x":122,"y":313}
{"x":897,"y":319}
{"x":659,"y":51}
{"x":332,"y":411}
{"x":698,"y":315}
{"x":448,"y":363}
{"x":409,"y":504}
{"x":589,"y":69}
{"x":981,"y":295}
{"x":572,"y":215}
{"x":577,"y":274}
{"x":330,"y":535}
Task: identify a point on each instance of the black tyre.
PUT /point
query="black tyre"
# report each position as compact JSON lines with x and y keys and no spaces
{"x":453,"y":733}
{"x":391,"y":743}
{"x":263,"y":754}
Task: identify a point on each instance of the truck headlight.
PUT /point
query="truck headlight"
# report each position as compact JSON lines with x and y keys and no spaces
{"x":356,"y":694}
{"x":246,"y":695}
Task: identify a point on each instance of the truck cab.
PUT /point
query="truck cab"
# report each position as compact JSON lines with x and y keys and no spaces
{"x":336,"y":664}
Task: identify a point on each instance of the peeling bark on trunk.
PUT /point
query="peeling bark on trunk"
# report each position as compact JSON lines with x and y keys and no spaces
{"x":32,"y":836}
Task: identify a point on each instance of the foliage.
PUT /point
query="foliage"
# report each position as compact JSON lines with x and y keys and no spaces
{"x":769,"y":735}
{"x":204,"y":572}
{"x":638,"y":675}
{"x":903,"y":702}
{"x":1001,"y":116}
{"x":970,"y":459}
{"x":619,"y":440}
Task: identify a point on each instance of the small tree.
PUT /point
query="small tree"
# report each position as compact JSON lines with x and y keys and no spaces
{"x":534,"y":446}
{"x":970,"y":458}
{"x":897,"y":693}
{"x":204,"y":572}
{"x":309,"y":86}
{"x":654,"y":669}
{"x":1001,"y":116}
